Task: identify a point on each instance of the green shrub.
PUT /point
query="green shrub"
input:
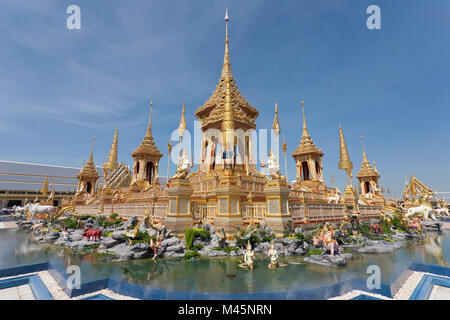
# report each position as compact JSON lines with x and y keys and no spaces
{"x":113,"y":215}
{"x":86,"y":216}
{"x":314,"y":252}
{"x":70,"y":223}
{"x":201,"y":233}
{"x":189,"y":237}
{"x":226,"y":249}
{"x":191,"y":254}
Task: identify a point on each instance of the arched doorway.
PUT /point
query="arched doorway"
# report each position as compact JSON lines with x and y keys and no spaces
{"x":149,"y":171}
{"x":305,"y":170}
{"x":137,"y":167}
{"x":88,"y":187}
{"x":367,"y":187}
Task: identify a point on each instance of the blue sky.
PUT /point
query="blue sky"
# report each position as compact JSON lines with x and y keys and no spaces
{"x":60,"y":87}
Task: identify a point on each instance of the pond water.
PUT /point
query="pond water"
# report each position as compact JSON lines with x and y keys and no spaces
{"x":222,"y":275}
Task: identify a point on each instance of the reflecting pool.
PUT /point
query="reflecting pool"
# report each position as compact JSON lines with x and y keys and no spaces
{"x":222,"y":275}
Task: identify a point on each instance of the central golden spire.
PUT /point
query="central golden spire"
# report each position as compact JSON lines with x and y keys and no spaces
{"x":228,"y":119}
{"x":226,"y":69}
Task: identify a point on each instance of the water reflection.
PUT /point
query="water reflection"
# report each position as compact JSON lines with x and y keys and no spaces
{"x":223,"y":274}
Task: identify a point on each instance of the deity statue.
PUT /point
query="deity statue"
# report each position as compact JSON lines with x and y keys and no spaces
{"x":273,"y":254}
{"x":249,"y":256}
{"x":274,"y":168}
{"x":182,"y":166}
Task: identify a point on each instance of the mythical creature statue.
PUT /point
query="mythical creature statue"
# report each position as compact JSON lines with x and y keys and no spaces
{"x":424,"y":209}
{"x":182,"y":167}
{"x":273,"y":254}
{"x":334,"y":197}
{"x":274,"y":168}
{"x":325,"y":239}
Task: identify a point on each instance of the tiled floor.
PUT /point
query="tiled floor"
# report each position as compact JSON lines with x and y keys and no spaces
{"x":17,"y":293}
{"x":440,"y":293}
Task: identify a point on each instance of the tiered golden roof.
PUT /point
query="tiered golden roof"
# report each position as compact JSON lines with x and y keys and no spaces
{"x":111,"y":163}
{"x":306,"y":145}
{"x":89,"y":170}
{"x":366,"y":169}
{"x":212,"y":111}
{"x":147,"y":146}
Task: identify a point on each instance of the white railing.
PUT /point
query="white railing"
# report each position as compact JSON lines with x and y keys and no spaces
{"x":324,"y":212}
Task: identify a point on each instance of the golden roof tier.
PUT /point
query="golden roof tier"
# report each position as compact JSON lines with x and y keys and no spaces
{"x":306,"y":145}
{"x":366,"y":169}
{"x":147,"y":146}
{"x":89,"y":170}
{"x":111,"y":163}
{"x":212,"y":112}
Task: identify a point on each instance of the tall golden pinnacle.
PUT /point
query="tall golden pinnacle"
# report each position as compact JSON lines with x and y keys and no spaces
{"x":111,"y":163}
{"x":182,"y":125}
{"x":276,"y":124}
{"x":344,"y":162}
{"x":226,"y":69}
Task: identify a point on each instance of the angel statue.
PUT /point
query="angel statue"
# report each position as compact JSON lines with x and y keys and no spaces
{"x":182,"y":166}
{"x":274,"y":168}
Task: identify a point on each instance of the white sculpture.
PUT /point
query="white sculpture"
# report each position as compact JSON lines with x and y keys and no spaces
{"x":422,"y":209}
{"x":182,"y":166}
{"x":334,"y":198}
{"x":39,"y":209}
{"x":274,"y":168}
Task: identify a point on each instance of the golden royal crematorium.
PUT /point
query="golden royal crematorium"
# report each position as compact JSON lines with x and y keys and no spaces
{"x":226,"y":190}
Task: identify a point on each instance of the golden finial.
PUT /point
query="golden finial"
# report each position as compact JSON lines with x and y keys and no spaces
{"x":276,"y":124}
{"x":284,"y":146}
{"x":111,"y":163}
{"x":182,"y":125}
{"x":364,"y":152}
{"x":169,"y":147}
{"x":305,"y":130}
{"x":344,"y":162}
{"x":149,"y":129}
{"x":91,"y":157}
{"x":226,"y":69}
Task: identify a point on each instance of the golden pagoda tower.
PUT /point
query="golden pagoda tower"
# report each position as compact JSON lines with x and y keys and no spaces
{"x":308,"y":158}
{"x":88,"y":176}
{"x":368,"y":179}
{"x":227,"y":121}
{"x":146,"y":159}
{"x":350,"y":193}
{"x":44,"y":189}
{"x":111,"y":164}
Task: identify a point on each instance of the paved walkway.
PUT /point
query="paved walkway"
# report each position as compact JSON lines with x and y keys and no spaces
{"x":17,"y":293}
{"x":8,"y":225}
